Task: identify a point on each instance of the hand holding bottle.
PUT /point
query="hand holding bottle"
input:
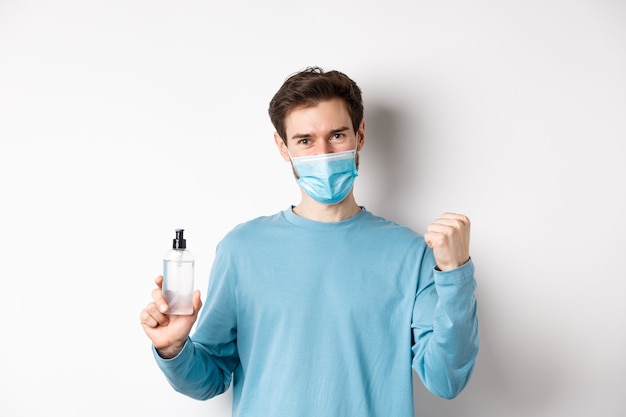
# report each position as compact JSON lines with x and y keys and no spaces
{"x":178,"y":271}
{"x":167,"y":332}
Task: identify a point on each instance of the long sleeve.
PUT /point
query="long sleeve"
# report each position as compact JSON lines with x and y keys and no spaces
{"x":445,"y":328}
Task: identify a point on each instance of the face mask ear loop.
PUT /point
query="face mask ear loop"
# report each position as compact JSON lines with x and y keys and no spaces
{"x":293,"y":167}
{"x":356,"y":152}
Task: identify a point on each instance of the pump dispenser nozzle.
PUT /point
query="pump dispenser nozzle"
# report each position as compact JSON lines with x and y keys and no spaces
{"x":179,"y":242}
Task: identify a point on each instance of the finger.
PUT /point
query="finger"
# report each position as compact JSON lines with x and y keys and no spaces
{"x":146,"y":319}
{"x":197,"y":302}
{"x":152,"y":317}
{"x":440,"y":234}
{"x":454,"y":219}
{"x":451,"y":228}
{"x":159,"y":300}
{"x":451,"y":215}
{"x":159,"y":281}
{"x":458,"y":224}
{"x":439,"y":227}
{"x":435,"y":239}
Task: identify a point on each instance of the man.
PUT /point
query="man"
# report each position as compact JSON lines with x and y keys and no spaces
{"x":324,"y":309}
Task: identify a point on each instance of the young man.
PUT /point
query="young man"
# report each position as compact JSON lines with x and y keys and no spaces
{"x":324,"y":309}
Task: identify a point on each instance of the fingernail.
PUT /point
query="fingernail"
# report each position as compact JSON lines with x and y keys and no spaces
{"x":163,"y":308}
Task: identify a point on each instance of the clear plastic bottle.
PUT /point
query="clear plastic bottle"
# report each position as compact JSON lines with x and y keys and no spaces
{"x":178,"y":268}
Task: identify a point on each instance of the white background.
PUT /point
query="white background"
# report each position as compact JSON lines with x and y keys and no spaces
{"x":123,"y":120}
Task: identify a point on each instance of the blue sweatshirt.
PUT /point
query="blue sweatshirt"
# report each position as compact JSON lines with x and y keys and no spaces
{"x":328,"y":319}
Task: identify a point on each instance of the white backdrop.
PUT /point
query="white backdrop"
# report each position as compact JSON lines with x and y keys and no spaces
{"x":122,"y":120}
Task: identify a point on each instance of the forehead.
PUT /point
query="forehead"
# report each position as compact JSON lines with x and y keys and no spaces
{"x":321,"y":117}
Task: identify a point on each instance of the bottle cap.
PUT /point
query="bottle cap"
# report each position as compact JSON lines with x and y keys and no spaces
{"x":179,"y":242}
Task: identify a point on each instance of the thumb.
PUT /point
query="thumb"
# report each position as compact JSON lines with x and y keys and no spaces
{"x":197,"y":302}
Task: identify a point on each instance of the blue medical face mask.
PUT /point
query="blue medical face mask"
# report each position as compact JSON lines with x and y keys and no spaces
{"x":327,"y":178}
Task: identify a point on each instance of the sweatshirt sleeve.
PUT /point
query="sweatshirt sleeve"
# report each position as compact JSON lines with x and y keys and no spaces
{"x":204,"y":368}
{"x":445,"y":327}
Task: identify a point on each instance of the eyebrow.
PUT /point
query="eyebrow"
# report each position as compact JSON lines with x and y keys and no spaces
{"x":308,"y":135}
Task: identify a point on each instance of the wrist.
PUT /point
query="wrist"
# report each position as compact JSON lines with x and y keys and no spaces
{"x":450,"y":267}
{"x":171,"y":351}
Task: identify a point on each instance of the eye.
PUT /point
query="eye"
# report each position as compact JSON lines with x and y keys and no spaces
{"x":338,"y":136}
{"x":304,"y":141}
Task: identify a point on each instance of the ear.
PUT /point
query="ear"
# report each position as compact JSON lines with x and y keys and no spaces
{"x":282,"y":148}
{"x":361,"y":135}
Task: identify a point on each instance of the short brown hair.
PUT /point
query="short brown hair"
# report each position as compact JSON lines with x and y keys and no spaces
{"x":310,"y":86}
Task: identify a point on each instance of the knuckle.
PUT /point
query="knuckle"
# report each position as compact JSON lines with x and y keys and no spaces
{"x":151,"y":309}
{"x":146,"y":318}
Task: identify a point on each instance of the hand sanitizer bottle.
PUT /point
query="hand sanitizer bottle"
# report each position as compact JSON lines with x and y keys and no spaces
{"x":178,"y":265}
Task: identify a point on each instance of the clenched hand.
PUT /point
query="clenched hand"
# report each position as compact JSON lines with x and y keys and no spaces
{"x":449,"y":237}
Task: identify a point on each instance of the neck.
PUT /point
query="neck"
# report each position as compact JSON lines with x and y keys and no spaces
{"x":312,"y":210}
